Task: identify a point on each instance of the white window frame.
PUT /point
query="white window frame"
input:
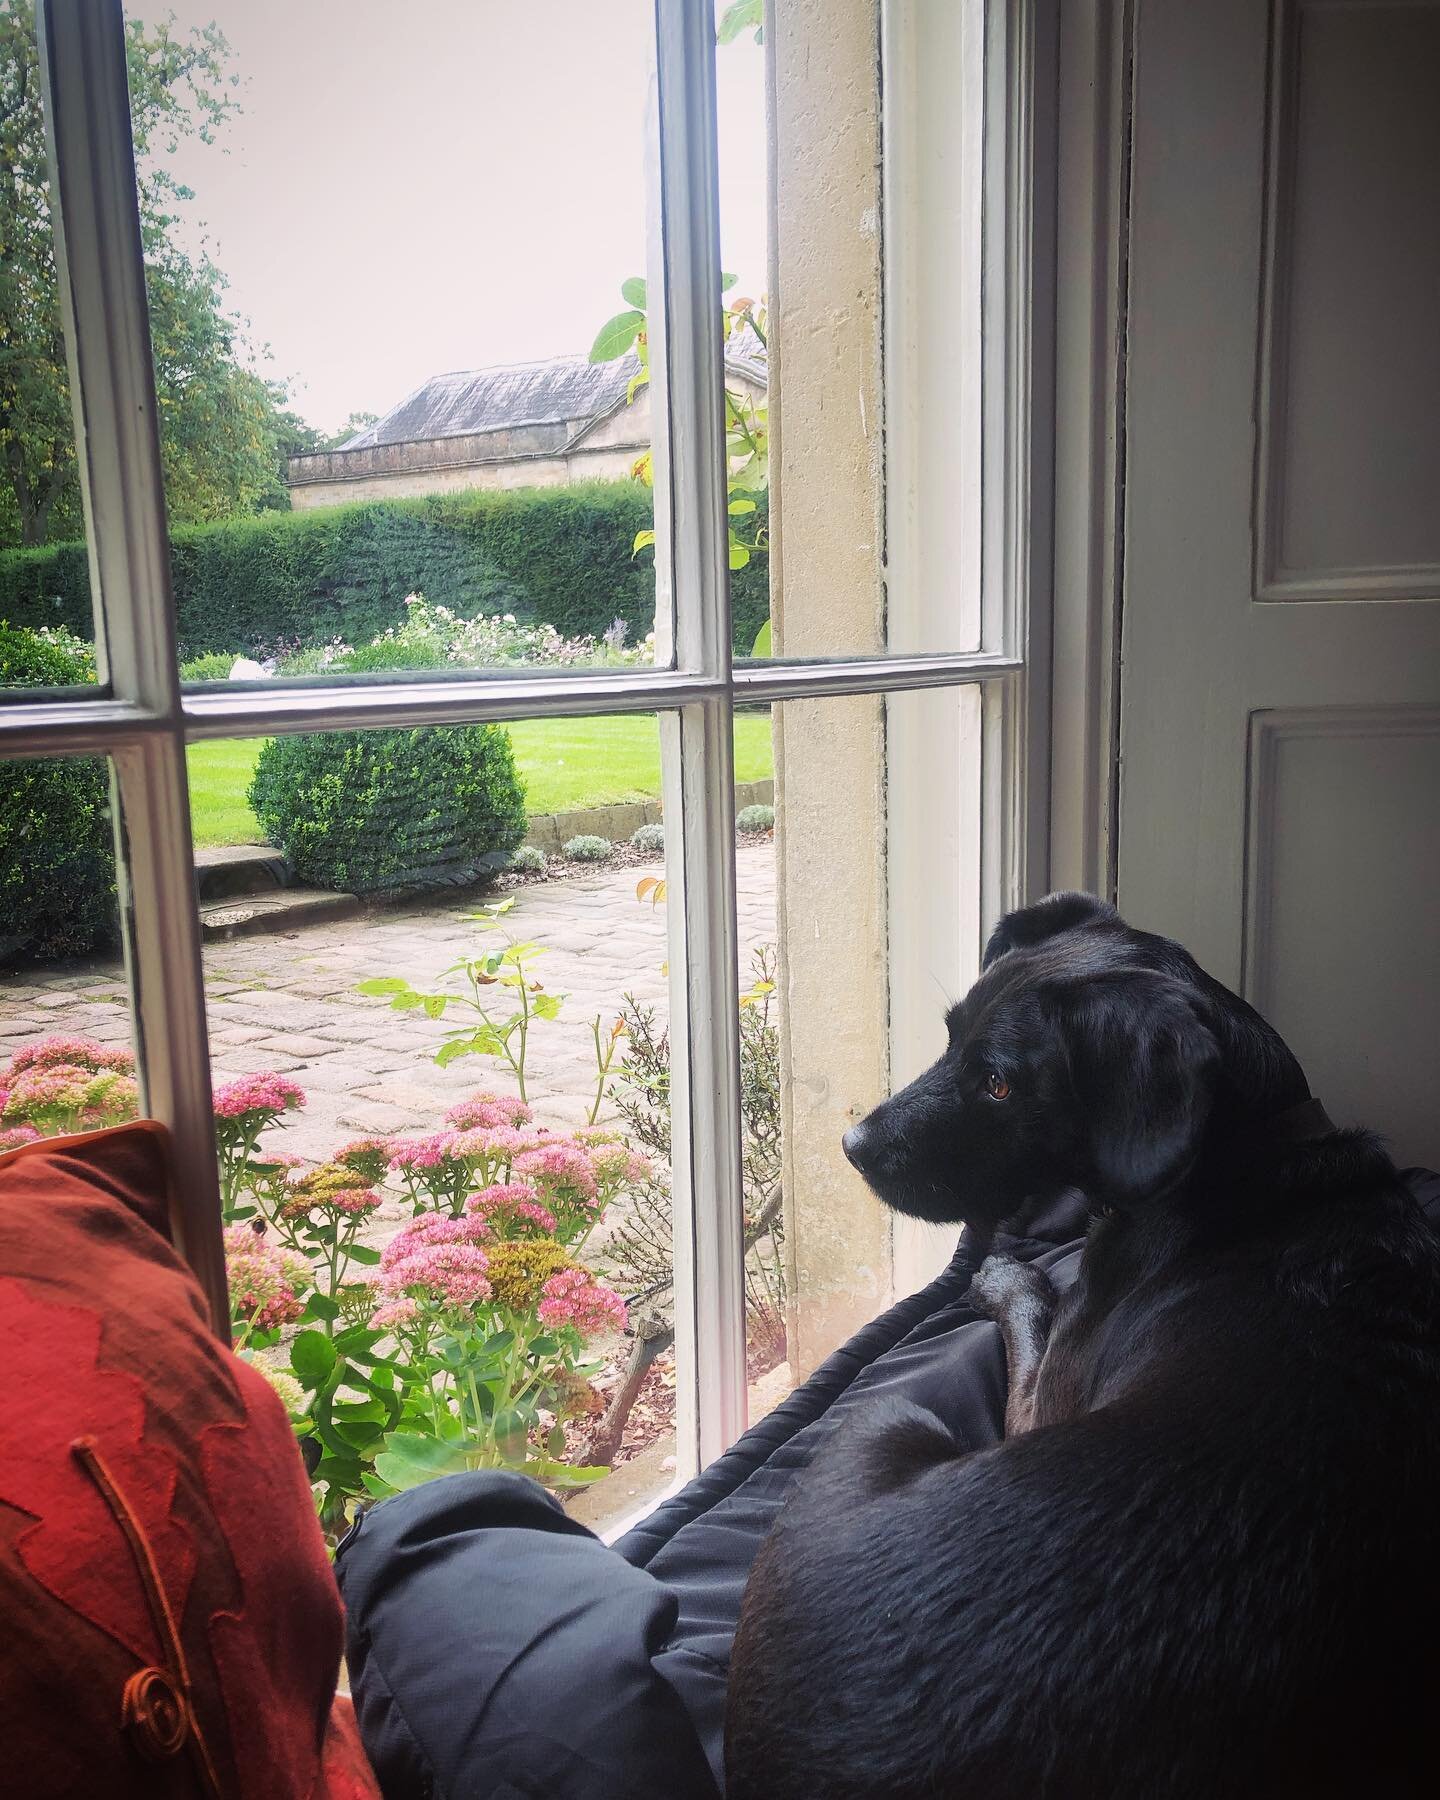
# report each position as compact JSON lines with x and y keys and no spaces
{"x":142,"y":719}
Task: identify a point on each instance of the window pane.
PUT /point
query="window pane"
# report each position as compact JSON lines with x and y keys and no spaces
{"x":872,"y":234}
{"x":859,"y":902}
{"x":438,"y":1031}
{"x":66,"y":1049}
{"x":44,"y":566}
{"x":393,"y":289}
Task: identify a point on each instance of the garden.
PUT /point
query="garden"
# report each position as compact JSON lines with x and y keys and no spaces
{"x":491,"y":1293}
{"x":460,"y":1297}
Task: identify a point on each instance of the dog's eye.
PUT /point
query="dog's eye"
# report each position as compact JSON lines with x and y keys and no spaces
{"x":996,"y":1086}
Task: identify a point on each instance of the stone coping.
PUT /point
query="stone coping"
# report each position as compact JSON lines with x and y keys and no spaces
{"x":619,"y":822}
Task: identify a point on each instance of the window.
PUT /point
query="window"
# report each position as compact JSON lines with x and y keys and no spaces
{"x":900,"y":721}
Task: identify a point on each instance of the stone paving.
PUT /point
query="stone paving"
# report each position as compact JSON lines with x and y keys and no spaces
{"x":288,"y":1001}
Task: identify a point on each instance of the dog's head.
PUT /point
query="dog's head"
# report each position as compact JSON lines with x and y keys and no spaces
{"x":1087,"y":1055}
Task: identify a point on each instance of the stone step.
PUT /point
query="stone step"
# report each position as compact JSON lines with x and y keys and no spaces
{"x":283,"y":909}
{"x":240,"y":869}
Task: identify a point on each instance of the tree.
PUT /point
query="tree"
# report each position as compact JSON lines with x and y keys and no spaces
{"x":223,"y":427}
{"x":358,"y":421}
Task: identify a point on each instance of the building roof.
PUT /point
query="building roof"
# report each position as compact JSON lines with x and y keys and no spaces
{"x":559,"y":389}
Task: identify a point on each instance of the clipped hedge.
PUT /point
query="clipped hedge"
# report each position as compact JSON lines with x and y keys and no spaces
{"x":559,"y":556}
{"x":57,"y":849}
{"x":366,"y":811}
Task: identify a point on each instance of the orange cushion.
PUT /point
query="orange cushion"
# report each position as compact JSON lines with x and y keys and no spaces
{"x":171,"y":1623}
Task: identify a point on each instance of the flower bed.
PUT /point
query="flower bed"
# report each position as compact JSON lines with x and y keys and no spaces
{"x":475,"y":1324}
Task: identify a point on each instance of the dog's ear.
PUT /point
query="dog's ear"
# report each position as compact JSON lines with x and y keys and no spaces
{"x":1144,"y":1066}
{"x":1047,"y":918}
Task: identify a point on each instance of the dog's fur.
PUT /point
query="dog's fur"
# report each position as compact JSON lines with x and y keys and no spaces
{"x":1206,"y":1559}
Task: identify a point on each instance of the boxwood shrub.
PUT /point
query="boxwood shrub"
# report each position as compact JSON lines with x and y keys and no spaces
{"x":366,"y":811}
{"x":57,"y":848}
{"x":560,"y":556}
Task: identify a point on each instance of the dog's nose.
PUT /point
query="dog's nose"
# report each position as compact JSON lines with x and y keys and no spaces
{"x":854,"y":1144}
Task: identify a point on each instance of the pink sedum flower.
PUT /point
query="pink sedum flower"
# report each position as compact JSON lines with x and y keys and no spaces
{"x":492,"y":1144}
{"x":368,"y":1157}
{"x":265,"y":1281}
{"x":67,"y":1097}
{"x":573,"y":1298}
{"x":430,"y":1229}
{"x":616,"y":1165}
{"x":513,"y":1209}
{"x":81,"y":1052}
{"x":250,"y":1094}
{"x":18,"y":1135}
{"x":483,"y":1112}
{"x":563,"y":1165}
{"x":422,"y":1153}
{"x":447,"y":1274}
{"x":392,"y":1314}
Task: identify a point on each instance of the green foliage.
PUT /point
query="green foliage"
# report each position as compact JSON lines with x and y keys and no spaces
{"x":561,"y":556}
{"x":223,"y":429}
{"x":527,"y":860}
{"x":741,"y":15}
{"x":586,"y":848}
{"x":57,"y":850}
{"x":755,"y":818}
{"x":649,"y":838}
{"x":364,"y":811}
{"x":214,"y":665}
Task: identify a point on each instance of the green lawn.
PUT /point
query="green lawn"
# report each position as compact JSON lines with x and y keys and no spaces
{"x":565,"y":763}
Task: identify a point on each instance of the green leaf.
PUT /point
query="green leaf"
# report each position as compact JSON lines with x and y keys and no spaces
{"x":727,"y":282}
{"x":761,"y":646}
{"x":374,"y":1486}
{"x":383,"y":984}
{"x":739,"y":555}
{"x":616,"y":336}
{"x":355,"y":1339}
{"x":408,"y":1459}
{"x":546,"y":1006}
{"x":741,"y":15}
{"x":320,"y":1306}
{"x":362,"y":1433}
{"x":643,"y":541}
{"x":510,"y":1428}
{"x":558,"y":1474}
{"x":634,"y":385}
{"x":312,"y":1357}
{"x":633,"y":290}
{"x":435,"y":1006}
{"x":363,"y":1254}
{"x":742,"y":506}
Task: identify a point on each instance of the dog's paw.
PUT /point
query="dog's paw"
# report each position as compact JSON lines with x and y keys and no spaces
{"x":997,"y":1284}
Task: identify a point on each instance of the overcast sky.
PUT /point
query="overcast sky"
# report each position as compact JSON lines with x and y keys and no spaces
{"x":442,"y":184}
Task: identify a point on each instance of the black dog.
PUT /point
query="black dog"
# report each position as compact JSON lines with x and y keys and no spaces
{"x":1208,"y":1561}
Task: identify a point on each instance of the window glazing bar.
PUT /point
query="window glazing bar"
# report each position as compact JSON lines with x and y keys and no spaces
{"x":73,"y":727}
{"x":762,"y":682}
{"x":102,"y":286}
{"x":278,"y":707}
{"x":697,"y":758}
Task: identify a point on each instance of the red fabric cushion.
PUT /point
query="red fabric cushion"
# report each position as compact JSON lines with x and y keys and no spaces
{"x":171,"y":1623}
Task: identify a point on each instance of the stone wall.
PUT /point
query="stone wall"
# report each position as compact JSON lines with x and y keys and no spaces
{"x":827,"y":581}
{"x":548,"y":831}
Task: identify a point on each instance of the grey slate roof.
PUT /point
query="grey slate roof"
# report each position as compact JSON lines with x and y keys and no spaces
{"x":537,"y":393}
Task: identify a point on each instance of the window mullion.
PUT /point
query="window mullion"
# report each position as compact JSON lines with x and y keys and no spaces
{"x":697,"y":753}
{"x":102,"y":285}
